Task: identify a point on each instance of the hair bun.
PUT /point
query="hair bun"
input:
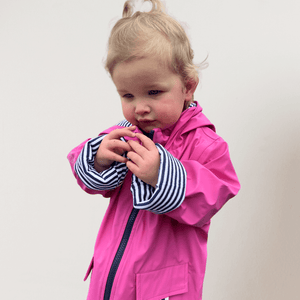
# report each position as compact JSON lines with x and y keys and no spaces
{"x":157,"y":6}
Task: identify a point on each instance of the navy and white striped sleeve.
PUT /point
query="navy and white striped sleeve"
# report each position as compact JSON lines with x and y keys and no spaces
{"x":169,"y":192}
{"x":106,"y":180}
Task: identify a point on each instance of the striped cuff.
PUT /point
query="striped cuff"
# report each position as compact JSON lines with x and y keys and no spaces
{"x":124,"y":123}
{"x":169,"y":192}
{"x":106,"y":180}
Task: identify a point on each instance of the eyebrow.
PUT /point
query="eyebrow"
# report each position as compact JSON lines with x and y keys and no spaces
{"x":157,"y":86}
{"x":122,"y":91}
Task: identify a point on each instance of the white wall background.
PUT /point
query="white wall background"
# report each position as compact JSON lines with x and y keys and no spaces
{"x":55,"y":93}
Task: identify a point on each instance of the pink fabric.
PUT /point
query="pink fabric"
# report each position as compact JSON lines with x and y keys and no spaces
{"x":166,"y":254}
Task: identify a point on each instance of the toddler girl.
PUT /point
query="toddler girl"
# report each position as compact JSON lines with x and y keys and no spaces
{"x":164,"y":168}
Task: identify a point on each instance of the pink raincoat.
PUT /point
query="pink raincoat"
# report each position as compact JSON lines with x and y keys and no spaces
{"x":164,"y":254}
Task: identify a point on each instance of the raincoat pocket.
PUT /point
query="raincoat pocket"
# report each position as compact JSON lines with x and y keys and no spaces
{"x":162,"y":283}
{"x":89,"y":270}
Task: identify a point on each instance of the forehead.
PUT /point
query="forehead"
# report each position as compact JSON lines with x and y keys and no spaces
{"x":143,"y":70}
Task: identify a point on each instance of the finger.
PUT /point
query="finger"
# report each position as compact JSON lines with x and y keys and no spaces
{"x":132,"y":167}
{"x":148,"y":177}
{"x":116,"y":157}
{"x":118,"y":133}
{"x":146,"y":142}
{"x":134,"y":157}
{"x":139,"y":149}
{"x":118,"y":145}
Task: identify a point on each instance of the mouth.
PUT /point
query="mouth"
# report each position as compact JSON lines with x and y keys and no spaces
{"x":145,"y":121}
{"x":146,"y":124}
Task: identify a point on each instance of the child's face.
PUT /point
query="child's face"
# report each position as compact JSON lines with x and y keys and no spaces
{"x":152,"y":96}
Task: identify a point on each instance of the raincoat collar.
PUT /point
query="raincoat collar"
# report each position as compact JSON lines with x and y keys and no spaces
{"x":190,"y":119}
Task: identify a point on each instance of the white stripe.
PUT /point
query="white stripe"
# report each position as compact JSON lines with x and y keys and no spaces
{"x":124,"y":123}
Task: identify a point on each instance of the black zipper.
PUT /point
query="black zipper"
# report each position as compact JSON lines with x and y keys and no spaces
{"x":119,"y":254}
{"x":126,"y":235}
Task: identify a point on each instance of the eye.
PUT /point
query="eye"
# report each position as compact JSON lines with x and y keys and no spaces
{"x":154,"y":92}
{"x":128,"y":96}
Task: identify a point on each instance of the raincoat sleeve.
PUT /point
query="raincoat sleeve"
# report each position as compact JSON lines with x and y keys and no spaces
{"x":82,"y":163}
{"x":211,"y":182}
{"x":193,"y":188}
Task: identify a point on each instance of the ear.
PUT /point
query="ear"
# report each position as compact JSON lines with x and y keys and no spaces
{"x":190,"y":88}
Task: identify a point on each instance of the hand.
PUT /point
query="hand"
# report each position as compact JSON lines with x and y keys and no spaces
{"x":144,"y":159}
{"x":112,"y":148}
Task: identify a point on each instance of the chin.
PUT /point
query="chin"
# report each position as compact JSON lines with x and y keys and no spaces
{"x":146,"y":129}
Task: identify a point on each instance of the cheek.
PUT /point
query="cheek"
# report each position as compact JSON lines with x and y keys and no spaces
{"x":127,"y":111}
{"x":172,"y":111}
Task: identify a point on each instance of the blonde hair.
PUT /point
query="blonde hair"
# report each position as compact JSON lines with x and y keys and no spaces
{"x":152,"y":33}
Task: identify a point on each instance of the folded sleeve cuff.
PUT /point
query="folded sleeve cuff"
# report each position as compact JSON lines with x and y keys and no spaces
{"x":84,"y":167}
{"x":169,"y":192}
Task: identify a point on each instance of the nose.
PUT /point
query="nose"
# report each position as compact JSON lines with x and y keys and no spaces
{"x":142,"y":108}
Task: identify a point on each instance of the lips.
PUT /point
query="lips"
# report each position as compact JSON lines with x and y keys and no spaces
{"x":146,"y":124}
{"x":145,"y":121}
